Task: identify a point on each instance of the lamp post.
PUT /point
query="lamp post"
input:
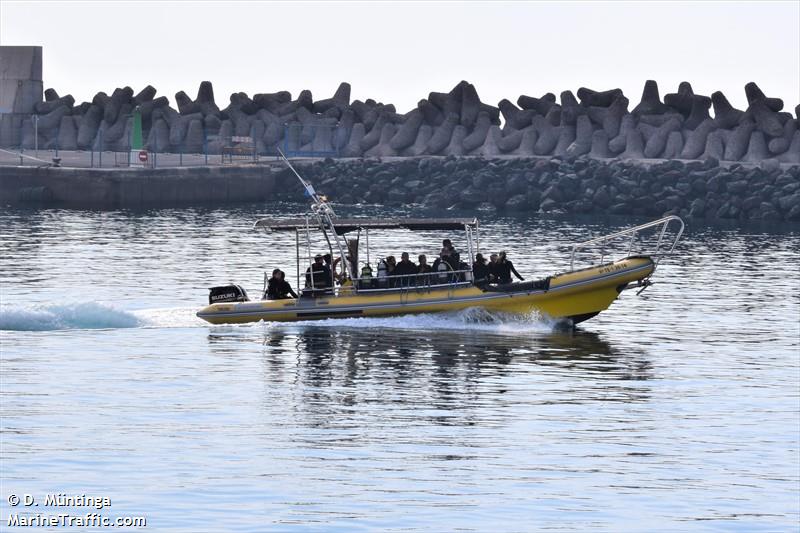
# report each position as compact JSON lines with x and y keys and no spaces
{"x":36,"y":134}
{"x":138,"y":155}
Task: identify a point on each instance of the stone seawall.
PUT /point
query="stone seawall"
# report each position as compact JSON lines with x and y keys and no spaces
{"x":700,"y":189}
{"x":129,"y":188}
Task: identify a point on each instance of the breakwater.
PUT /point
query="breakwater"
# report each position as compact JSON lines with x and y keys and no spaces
{"x":700,"y":189}
{"x":591,"y":123}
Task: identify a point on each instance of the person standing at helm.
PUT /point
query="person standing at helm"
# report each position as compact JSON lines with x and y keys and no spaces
{"x":317,"y":275}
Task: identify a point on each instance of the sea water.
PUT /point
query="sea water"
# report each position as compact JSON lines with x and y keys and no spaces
{"x":675,"y":410}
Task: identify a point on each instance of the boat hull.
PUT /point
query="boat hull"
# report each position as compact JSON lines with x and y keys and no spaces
{"x":577,"y":296}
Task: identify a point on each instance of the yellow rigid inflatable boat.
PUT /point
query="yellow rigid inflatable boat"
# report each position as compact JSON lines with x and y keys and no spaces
{"x":575,"y":294}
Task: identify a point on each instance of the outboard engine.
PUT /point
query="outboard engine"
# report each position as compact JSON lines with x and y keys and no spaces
{"x":226,"y":294}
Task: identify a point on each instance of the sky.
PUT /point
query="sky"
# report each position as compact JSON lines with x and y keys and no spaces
{"x":397,"y":52}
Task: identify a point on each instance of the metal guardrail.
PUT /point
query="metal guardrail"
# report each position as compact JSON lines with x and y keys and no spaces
{"x":656,"y":253}
{"x":394,"y":283}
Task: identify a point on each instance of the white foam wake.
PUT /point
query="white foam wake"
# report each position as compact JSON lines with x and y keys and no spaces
{"x":472,"y":319}
{"x":86,"y":315}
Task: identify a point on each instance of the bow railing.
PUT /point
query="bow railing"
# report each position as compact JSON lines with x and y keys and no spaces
{"x":656,"y":230}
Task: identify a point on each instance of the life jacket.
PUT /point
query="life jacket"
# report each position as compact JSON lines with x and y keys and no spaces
{"x":366,"y":272}
{"x":382,"y":269}
{"x":442,"y":268}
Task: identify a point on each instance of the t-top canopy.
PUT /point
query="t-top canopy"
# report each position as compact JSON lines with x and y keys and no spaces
{"x":346,"y":225}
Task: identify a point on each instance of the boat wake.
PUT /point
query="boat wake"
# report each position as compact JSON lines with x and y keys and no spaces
{"x":86,"y":315}
{"x":96,"y":315}
{"x":92,"y":315}
{"x":472,"y":319}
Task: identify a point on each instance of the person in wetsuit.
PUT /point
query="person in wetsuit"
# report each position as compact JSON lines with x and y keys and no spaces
{"x":480,"y":271}
{"x":505,"y":268}
{"x":329,"y":265}
{"x":450,"y":255}
{"x":277,"y":287}
{"x":319,"y":273}
{"x":493,"y":269}
{"x":405,"y":268}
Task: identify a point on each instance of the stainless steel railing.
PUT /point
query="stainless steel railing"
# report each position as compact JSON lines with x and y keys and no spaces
{"x":405,"y":282}
{"x":661,"y":249}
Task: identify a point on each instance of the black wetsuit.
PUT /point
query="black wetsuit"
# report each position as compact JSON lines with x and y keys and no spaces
{"x":480,"y":272}
{"x":322,"y":276}
{"x":405,"y":268}
{"x":494,"y":272}
{"x":504,"y":270}
{"x":279,"y":289}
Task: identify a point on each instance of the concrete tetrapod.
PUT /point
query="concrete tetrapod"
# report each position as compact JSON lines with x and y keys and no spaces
{"x":657,"y":142}
{"x":779,"y":145}
{"x":613,"y":119}
{"x":699,"y":112}
{"x":683,"y":100}
{"x":757,"y":149}
{"x":528,"y":141}
{"x":513,"y":116}
{"x":674,"y":146}
{"x":566,"y":136}
{"x":590,"y":98}
{"x":792,"y":154}
{"x":755,"y":94}
{"x":441,"y":135}
{"x":477,"y":138}
{"x":583,"y":138}
{"x":421,"y":142}
{"x":600,"y":145}
{"x":696,"y":140}
{"x":373,"y":137}
{"x":509,"y":140}
{"x":353,"y":148}
{"x":432,"y":114}
{"x":67,"y":134}
{"x":470,"y":105}
{"x":634,"y":147}
{"x":738,"y":141}
{"x":456,"y":145}
{"x":407,"y":132}
{"x":547,"y":136}
{"x":725,"y":116}
{"x":766,"y":119}
{"x":540,"y":105}
{"x":382,"y":148}
{"x":44,"y":108}
{"x":145,"y":95}
{"x":651,"y":102}
{"x":89,"y":126}
{"x":617,"y":144}
{"x":715,"y":145}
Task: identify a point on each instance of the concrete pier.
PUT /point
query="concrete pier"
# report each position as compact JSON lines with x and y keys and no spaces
{"x":134,"y":188}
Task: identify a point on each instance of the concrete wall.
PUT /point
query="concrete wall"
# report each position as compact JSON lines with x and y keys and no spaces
{"x":117,"y":188}
{"x":20,"y":89}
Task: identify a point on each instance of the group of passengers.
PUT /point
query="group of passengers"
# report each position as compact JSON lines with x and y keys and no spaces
{"x":407,"y":273}
{"x":447,"y":268}
{"x":497,"y":270}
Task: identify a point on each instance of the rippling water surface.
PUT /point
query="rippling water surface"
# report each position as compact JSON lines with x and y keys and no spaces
{"x":675,"y":410}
